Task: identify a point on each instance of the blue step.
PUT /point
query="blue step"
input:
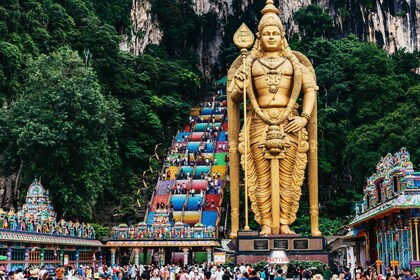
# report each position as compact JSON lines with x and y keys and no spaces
{"x":208,"y":148}
{"x":178,"y":201}
{"x":192,"y":202}
{"x":207,"y":111}
{"x":179,"y":136}
{"x":150,"y":218}
{"x":222,"y":136}
{"x":193,"y":146}
{"x":209,"y":218}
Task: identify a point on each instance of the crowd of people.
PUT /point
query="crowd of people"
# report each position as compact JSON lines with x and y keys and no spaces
{"x":205,"y":271}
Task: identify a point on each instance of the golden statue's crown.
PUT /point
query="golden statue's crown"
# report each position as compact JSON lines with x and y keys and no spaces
{"x":270,"y":17}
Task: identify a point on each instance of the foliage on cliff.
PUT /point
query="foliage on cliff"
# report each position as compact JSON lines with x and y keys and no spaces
{"x":76,"y":110}
{"x":86,"y":116}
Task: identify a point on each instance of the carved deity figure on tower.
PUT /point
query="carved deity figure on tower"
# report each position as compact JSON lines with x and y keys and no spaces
{"x":276,"y":137}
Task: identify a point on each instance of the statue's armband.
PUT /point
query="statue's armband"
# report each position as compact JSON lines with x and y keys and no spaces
{"x":308,"y":80}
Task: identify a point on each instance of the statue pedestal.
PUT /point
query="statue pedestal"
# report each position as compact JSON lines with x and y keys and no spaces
{"x":251,"y":247}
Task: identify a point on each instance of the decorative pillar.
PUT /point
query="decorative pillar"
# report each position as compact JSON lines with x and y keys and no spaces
{"x":416,"y":231}
{"x":113,"y":256}
{"x":233,"y":130}
{"x":410,"y":225}
{"x":136,"y":256}
{"x":9,"y":258}
{"x":27,"y":256}
{"x":93,"y":262}
{"x":208,"y":255}
{"x":185,"y":255}
{"x":41,"y":255}
{"x":378,"y":265}
{"x":367,"y":249}
{"x":100,"y":258}
{"x":312,"y":127}
{"x":62,"y":256}
{"x":394,"y":265}
{"x":77,"y":257}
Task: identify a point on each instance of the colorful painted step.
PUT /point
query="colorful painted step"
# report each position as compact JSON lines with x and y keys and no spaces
{"x":192,"y":204}
{"x":191,"y":217}
{"x":150,"y":218}
{"x":159,"y":199}
{"x":212,"y":198}
{"x":209,"y":218}
{"x":178,"y":201}
{"x":220,"y":159}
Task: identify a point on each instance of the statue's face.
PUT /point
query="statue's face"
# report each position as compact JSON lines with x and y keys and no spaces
{"x":271,"y":39}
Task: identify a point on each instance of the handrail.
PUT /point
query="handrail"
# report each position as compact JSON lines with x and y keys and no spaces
{"x":184,"y":206}
{"x":201,"y":213}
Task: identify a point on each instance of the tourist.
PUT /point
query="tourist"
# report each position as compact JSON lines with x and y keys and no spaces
{"x":207,"y":275}
{"x":347,"y":275}
{"x":27,"y":274}
{"x":279,"y":275}
{"x":317,"y":277}
{"x":253,"y":275}
{"x":407,"y":274}
{"x":219,"y":273}
{"x":144,"y":276}
{"x":238,"y":274}
{"x":34,"y":273}
{"x":155,"y":276}
{"x":59,"y":272}
{"x":183,"y":275}
{"x":307,"y":274}
{"x":11,"y":275}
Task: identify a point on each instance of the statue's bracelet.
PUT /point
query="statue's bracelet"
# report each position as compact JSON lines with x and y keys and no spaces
{"x":306,"y":116}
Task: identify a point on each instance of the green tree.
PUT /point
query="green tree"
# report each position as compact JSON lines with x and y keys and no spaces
{"x":314,"y":22}
{"x":64,"y":129}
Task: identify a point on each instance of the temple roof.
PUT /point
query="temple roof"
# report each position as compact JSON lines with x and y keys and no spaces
{"x":39,"y":238}
{"x":164,"y":243}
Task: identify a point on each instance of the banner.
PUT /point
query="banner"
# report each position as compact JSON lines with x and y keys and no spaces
{"x":219,"y":257}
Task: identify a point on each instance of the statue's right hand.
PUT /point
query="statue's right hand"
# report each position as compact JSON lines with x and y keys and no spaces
{"x":240,"y":79}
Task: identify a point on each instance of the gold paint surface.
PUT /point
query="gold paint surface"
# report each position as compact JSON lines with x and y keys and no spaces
{"x":276,"y":141}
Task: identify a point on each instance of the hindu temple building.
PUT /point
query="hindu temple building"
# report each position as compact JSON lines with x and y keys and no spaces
{"x":386,"y":225}
{"x":182,"y":218}
{"x":33,"y":236}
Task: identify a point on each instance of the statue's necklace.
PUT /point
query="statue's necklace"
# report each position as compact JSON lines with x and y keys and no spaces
{"x":272,"y":77}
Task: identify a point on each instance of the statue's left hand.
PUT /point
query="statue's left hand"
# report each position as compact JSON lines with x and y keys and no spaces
{"x":296,"y":124}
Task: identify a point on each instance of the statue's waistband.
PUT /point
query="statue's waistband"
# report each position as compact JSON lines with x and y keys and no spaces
{"x":274,"y":112}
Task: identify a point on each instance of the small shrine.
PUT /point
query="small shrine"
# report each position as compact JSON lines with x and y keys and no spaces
{"x":386,"y":223}
{"x":33,"y":235}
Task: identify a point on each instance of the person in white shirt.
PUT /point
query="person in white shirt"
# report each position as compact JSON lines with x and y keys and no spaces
{"x":219,"y":273}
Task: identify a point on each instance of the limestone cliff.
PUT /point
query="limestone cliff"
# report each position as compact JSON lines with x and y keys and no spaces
{"x":144,"y":28}
{"x":392,"y":24}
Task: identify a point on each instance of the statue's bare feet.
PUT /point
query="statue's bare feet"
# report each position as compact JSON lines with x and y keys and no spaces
{"x":265,"y":230}
{"x":316,"y":232}
{"x":285,"y":229}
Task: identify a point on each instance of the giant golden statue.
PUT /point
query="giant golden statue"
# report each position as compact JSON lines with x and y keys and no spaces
{"x":276,"y":139}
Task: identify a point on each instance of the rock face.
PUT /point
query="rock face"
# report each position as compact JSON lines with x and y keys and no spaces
{"x":392,"y":24}
{"x":144,"y":28}
{"x":209,"y":51}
